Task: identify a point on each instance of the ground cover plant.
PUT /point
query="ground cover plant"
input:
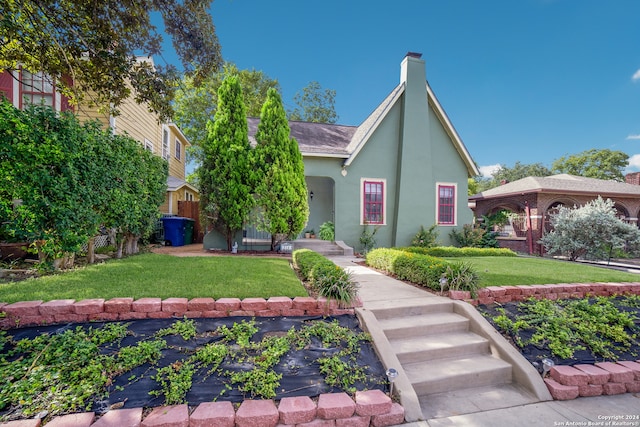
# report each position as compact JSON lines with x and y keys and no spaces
{"x":571,"y":331}
{"x":163,"y":276}
{"x":90,"y":367}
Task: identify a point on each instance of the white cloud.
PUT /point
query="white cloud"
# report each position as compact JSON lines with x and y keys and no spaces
{"x":637,"y":136}
{"x":634,"y":162}
{"x":488,"y":171}
{"x":636,"y":76}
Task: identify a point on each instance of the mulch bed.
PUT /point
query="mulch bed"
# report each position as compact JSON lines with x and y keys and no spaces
{"x":535,"y":353}
{"x":299,"y":368}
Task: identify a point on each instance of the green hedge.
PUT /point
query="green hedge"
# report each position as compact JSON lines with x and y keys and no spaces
{"x":450,"y":251}
{"x":424,"y":270}
{"x":383,"y":258}
{"x":421,"y":269}
{"x":324,"y":277}
{"x":304,"y":260}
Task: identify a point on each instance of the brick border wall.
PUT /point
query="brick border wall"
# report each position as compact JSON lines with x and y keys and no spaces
{"x":505,"y":294}
{"x":369,"y":408}
{"x":604,"y":378}
{"x":35,"y":313}
{"x":570,"y":382}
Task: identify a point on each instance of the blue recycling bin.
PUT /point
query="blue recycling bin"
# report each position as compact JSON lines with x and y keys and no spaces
{"x":174,"y":230}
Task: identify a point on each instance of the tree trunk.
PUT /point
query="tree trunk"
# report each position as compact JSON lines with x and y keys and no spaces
{"x":112,"y":232}
{"x":91,"y":250}
{"x":120,"y":247}
{"x":229,"y":240}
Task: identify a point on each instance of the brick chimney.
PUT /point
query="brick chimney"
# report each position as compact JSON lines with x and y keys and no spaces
{"x":632,"y":178}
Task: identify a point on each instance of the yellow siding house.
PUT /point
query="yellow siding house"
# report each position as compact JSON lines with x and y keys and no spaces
{"x":135,"y":120}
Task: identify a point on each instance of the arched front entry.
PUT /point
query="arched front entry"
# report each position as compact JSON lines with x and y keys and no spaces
{"x":321,"y":198}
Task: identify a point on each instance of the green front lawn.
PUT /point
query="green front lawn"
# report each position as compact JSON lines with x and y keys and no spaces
{"x":164,"y":276}
{"x":504,"y":271}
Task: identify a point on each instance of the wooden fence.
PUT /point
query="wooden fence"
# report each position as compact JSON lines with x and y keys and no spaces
{"x":192,"y":210}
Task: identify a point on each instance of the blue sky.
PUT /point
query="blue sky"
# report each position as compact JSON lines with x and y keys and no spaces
{"x":521,"y":80}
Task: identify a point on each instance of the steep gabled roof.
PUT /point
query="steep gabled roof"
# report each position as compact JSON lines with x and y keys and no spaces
{"x":371,"y":123}
{"x":314,"y":139}
{"x":562,"y":183}
{"x":451,"y":131}
{"x":330,"y":140}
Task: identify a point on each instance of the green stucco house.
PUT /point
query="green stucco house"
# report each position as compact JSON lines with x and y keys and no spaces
{"x":403,"y":167}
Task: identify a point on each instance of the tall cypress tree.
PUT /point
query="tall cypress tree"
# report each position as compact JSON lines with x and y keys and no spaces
{"x":281,"y":190}
{"x":225,"y":175}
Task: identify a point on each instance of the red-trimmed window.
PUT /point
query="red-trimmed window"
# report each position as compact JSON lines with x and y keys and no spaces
{"x":373,"y":203}
{"x":6,"y":85}
{"x":37,"y":88}
{"x":446,"y":204}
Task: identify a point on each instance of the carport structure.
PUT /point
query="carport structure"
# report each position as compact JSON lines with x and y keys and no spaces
{"x":532,"y":200}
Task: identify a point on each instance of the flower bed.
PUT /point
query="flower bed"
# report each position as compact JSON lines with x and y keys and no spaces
{"x":590,"y":335}
{"x":154,"y":310}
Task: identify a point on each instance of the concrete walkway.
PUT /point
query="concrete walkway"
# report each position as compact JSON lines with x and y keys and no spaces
{"x":377,"y":289}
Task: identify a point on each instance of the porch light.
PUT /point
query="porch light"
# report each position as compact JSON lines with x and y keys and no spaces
{"x":391,"y":376}
{"x":343,"y":172}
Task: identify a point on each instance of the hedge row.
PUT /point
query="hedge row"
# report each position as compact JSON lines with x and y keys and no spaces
{"x":451,"y":251}
{"x":324,"y":277}
{"x":425,"y":270}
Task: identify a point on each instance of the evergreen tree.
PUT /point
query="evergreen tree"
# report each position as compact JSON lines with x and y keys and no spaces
{"x":280,"y":189}
{"x":226,"y":197}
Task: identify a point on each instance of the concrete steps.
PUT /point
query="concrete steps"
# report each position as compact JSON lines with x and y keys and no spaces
{"x":439,"y":346}
{"x":443,"y":358}
{"x":443,"y":375}
{"x":422,"y":325}
{"x":323,"y":247}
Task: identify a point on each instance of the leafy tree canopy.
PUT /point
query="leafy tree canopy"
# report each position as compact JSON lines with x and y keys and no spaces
{"x":315,"y":105}
{"x":90,"y":48}
{"x":195,"y":104}
{"x":600,"y":164}
{"x":510,"y":174}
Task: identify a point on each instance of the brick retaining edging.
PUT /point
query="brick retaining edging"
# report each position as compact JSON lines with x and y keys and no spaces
{"x":604,"y":378}
{"x":505,"y":294}
{"x":368,"y":408}
{"x":35,"y":313}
